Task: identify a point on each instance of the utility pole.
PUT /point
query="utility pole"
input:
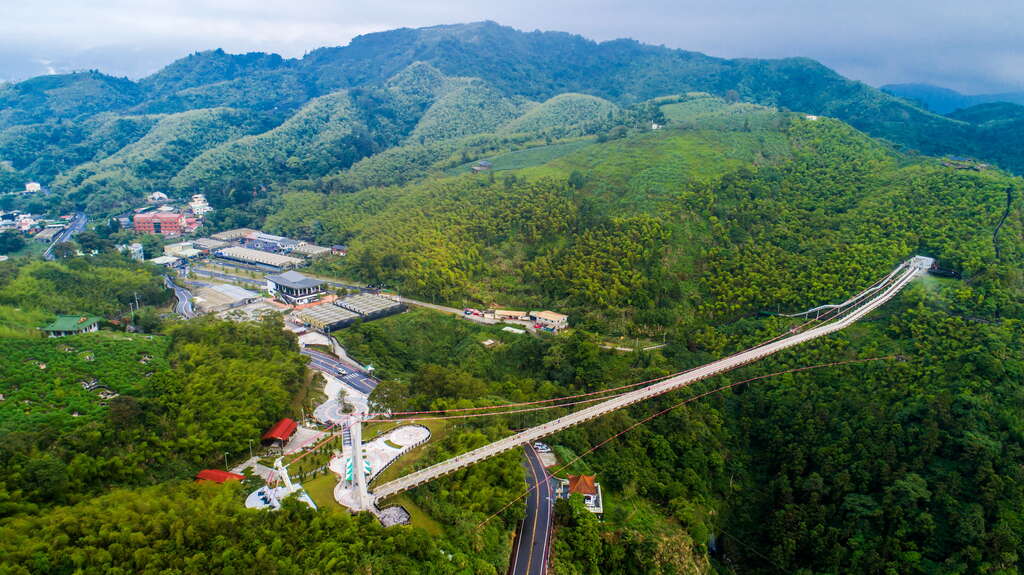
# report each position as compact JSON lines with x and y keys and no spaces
{"x":250,"y":449}
{"x":225,"y":460}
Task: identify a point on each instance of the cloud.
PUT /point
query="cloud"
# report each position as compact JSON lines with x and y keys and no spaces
{"x":968,"y":46}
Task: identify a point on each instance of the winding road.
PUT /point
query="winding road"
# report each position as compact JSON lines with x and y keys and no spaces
{"x":183,"y":306}
{"x":531,"y":545}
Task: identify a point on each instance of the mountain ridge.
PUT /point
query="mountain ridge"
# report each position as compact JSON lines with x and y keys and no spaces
{"x":508,"y":66}
{"x":944,"y":100}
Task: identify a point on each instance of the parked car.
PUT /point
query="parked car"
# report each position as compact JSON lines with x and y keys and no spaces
{"x":541,"y":447}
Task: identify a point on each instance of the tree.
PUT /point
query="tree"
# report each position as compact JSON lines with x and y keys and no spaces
{"x":576,"y":180}
{"x":91,"y":241}
{"x":10,"y":242}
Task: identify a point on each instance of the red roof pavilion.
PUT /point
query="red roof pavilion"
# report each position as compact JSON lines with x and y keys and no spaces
{"x":582,"y":484}
{"x":281,"y":431}
{"x":218,"y":476}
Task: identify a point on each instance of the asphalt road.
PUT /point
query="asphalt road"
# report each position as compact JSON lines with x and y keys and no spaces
{"x":183,"y":307}
{"x":228,"y":277}
{"x":532,"y":543}
{"x":76,"y":225}
{"x":350,"y":376}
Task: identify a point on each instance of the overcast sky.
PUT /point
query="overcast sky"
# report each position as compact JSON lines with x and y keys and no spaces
{"x":972,"y":46}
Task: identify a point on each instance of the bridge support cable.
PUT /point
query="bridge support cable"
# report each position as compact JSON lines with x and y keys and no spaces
{"x":871,"y":289}
{"x":907,"y":272}
{"x":686,"y":401}
{"x":796,"y":329}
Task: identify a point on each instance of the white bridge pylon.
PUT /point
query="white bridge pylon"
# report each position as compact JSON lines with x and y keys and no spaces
{"x":854,"y":309}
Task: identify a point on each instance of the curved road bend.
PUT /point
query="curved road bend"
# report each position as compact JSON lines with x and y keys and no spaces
{"x":531,"y":545}
{"x":183,"y":306}
{"x":353,"y":378}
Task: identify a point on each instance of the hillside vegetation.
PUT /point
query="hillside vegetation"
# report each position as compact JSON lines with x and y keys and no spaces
{"x":146,"y":165}
{"x":337,"y":106}
{"x":673,"y":223}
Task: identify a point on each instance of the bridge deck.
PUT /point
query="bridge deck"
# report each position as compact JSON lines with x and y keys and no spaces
{"x":891,"y":285}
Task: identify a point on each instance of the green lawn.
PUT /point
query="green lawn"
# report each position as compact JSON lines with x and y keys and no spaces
{"x":565,"y":455}
{"x":529,"y":157}
{"x":417,"y":516}
{"x":32,"y":248}
{"x":321,"y":490}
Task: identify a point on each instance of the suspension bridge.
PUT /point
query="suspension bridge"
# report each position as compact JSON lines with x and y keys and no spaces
{"x":838,"y":317}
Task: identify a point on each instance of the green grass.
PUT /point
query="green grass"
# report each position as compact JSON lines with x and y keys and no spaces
{"x":417,"y":516}
{"x":321,"y":490}
{"x":32,"y":248}
{"x":704,"y":111}
{"x":392,"y":444}
{"x":21,"y":323}
{"x":565,"y":455}
{"x":529,"y":157}
{"x":646,"y":172}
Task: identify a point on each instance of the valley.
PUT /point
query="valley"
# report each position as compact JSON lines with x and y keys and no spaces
{"x":470,"y":300}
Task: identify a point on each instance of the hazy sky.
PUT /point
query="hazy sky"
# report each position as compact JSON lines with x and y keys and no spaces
{"x":973,"y":46}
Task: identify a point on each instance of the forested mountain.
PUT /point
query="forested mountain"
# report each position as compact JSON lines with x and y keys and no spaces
{"x":476,"y":79}
{"x":943,"y":100}
{"x":623,"y":239}
{"x":655,"y":195}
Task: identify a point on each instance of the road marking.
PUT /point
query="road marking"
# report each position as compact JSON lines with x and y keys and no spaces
{"x":533,"y":532}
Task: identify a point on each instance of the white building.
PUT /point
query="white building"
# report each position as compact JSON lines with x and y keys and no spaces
{"x":549,"y":320}
{"x":199,"y":205}
{"x":33,"y":187}
{"x":134,"y":251}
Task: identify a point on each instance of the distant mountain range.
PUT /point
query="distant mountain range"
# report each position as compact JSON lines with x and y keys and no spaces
{"x":221,"y":122}
{"x":943,"y":100}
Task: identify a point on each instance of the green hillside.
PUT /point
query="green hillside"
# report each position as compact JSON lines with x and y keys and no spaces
{"x":323,"y":134}
{"x":42,"y":377}
{"x":563,"y":115}
{"x":434,"y":84}
{"x":705,"y":221}
{"x":147,"y":164}
{"x":468,"y":106}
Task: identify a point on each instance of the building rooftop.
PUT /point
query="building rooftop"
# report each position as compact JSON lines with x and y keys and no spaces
{"x":550,"y":315}
{"x":209,"y":244}
{"x":366,"y":304}
{"x":324,"y":315}
{"x":222,"y":294}
{"x":164,"y":260}
{"x":218,"y":476}
{"x":259,"y":256}
{"x":294,"y":280}
{"x":583,"y":484}
{"x":228,"y":235}
{"x":282,"y":430}
{"x":310,"y":250}
{"x":72,"y":322}
{"x":48,"y":233}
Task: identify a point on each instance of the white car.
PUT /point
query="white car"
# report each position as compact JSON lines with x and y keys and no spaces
{"x":541,"y":447}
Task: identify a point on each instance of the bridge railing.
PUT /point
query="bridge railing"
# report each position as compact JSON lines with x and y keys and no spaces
{"x":896,"y":281}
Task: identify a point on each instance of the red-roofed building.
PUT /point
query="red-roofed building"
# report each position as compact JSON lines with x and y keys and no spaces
{"x":279,"y":434}
{"x":582,"y":484}
{"x":586,"y":486}
{"x":218,"y":476}
{"x":162,"y":223}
